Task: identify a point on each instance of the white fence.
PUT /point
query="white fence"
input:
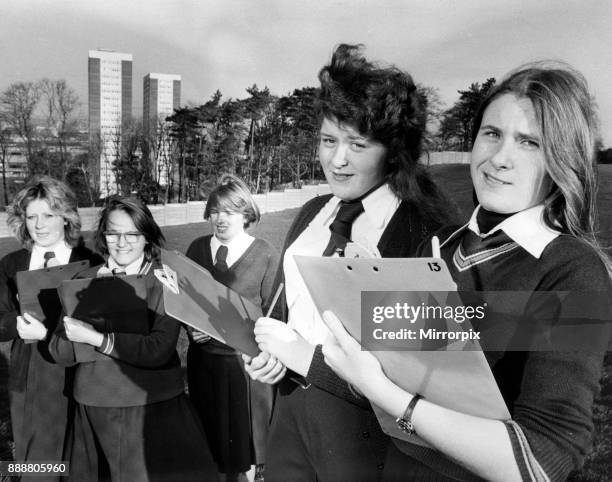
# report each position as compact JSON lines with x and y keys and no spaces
{"x":193,"y":212}
{"x":446,"y":157}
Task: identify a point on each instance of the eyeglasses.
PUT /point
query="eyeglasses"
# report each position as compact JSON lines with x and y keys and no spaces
{"x":112,"y":237}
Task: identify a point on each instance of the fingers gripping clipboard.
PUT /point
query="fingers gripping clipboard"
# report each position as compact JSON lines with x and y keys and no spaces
{"x":38,"y":294}
{"x":458,"y":380}
{"x":194,"y":297}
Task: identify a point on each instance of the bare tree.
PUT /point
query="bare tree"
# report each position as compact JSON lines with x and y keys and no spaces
{"x":159,"y":144}
{"x":5,"y":154}
{"x":61,"y":101}
{"x":18,"y":103}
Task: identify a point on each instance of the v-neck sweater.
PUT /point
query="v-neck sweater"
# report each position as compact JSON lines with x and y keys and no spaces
{"x":251,"y":275}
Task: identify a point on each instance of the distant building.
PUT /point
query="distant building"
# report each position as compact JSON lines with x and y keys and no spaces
{"x":161,"y":95}
{"x":110,"y":108}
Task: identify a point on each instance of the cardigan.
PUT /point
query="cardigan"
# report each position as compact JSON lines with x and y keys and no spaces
{"x":251,"y":276}
{"x":549,"y":394}
{"x":139,"y":370}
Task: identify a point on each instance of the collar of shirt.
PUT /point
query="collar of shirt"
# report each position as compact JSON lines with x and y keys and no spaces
{"x":133,"y":268}
{"x":367,"y":229}
{"x":62,"y":253}
{"x":235,"y":248}
{"x":527,"y":228}
{"x":378,"y":206}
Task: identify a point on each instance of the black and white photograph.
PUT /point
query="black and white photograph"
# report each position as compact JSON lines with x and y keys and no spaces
{"x":318,"y":241}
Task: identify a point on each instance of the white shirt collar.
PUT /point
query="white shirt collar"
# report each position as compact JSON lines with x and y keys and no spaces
{"x":527,"y":228}
{"x":132,"y":268}
{"x":235,"y":248}
{"x":378,"y":206}
{"x":61,"y":249}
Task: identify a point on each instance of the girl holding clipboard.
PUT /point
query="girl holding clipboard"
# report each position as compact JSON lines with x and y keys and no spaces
{"x":383,"y":200}
{"x":533,"y":172}
{"x":235,"y":411}
{"x":133,"y":420}
{"x":45,"y":219}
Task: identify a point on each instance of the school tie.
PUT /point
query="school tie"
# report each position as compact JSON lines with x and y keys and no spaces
{"x":341,"y":226}
{"x":50,"y":259}
{"x":221,"y":259}
{"x":118,"y":272}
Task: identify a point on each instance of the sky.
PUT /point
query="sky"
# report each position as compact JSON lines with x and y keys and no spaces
{"x":232,"y":44}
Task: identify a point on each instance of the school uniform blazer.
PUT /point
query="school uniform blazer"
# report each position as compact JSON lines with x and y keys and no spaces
{"x":401,"y":238}
{"x":36,"y":382}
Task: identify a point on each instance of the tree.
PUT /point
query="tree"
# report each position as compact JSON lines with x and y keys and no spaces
{"x":5,"y":154}
{"x":17,"y":104}
{"x":434,"y":109}
{"x":456,"y":127}
{"x":184,"y":130}
{"x":299,"y":134}
{"x":134,"y":171}
{"x":61,"y":101}
{"x":257,"y":107}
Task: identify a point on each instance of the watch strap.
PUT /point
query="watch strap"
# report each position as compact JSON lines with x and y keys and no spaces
{"x":405,"y":421}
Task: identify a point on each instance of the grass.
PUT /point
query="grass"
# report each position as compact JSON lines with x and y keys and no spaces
{"x":273,"y":227}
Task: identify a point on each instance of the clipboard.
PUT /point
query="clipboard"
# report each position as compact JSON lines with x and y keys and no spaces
{"x":200,"y":301}
{"x":110,"y":304}
{"x":38,"y":291}
{"x":458,"y":380}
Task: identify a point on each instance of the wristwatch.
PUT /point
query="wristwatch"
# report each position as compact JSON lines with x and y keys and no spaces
{"x":405,"y":421}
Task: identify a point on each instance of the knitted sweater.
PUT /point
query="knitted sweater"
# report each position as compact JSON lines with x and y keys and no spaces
{"x":549,"y":393}
{"x":251,"y":275}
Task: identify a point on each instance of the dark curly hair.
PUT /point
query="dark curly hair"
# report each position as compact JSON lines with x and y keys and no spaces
{"x":383,"y":103}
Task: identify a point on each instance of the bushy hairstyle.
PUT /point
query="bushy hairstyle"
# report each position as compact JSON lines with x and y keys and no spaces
{"x":142,"y":218}
{"x":232,"y":194}
{"x":383,"y":103}
{"x":568,"y":124}
{"x":61,"y":200}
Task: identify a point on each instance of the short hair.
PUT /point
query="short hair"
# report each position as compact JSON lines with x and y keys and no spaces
{"x":232,"y":194}
{"x":61,"y":200}
{"x":384,"y":104}
{"x":565,"y":113}
{"x":142,"y":219}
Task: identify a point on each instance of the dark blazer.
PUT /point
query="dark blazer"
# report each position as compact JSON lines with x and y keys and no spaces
{"x":37,"y":386}
{"x":403,"y":235}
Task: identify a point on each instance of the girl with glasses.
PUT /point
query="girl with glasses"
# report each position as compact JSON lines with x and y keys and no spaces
{"x":133,"y":420}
